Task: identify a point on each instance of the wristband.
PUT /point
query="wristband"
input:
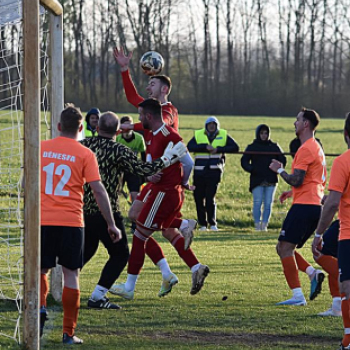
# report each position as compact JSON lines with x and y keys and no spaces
{"x":280,"y":170}
{"x":317,"y":235}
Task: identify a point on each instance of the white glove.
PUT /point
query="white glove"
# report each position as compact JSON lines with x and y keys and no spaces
{"x":172,"y":153}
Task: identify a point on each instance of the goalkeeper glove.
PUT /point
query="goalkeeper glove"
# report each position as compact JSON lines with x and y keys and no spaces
{"x":173,"y":153}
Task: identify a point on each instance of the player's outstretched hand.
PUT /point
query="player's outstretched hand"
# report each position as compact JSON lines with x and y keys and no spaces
{"x":172,"y":153}
{"x":189,"y":187}
{"x":285,"y":195}
{"x":155,"y":178}
{"x":122,"y":59}
{"x":316,"y":246}
{"x":126,"y":127}
{"x":114,"y":233}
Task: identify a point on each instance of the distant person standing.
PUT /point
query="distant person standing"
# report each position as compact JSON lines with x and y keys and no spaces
{"x":295,"y":144}
{"x":91,"y":122}
{"x":135,"y":141}
{"x":308,"y":179}
{"x":263,"y":181}
{"x":209,"y":146}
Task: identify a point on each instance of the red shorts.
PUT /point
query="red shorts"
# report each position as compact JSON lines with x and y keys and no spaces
{"x":142,"y":196}
{"x":160,"y":208}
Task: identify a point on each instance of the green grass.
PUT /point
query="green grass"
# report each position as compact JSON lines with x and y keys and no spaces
{"x":244,"y":267}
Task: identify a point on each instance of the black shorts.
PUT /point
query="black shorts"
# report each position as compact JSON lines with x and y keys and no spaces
{"x":64,"y":243}
{"x":330,"y":240}
{"x":133,"y":182}
{"x":300,"y":223}
{"x":344,"y":259}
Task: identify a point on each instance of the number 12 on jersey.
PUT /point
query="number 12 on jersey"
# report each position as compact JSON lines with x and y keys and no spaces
{"x":62,"y":170}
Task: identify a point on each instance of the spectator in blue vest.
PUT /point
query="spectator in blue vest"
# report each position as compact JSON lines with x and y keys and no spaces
{"x":209,"y":146}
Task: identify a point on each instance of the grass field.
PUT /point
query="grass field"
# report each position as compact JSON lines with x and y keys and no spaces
{"x":244,"y":268}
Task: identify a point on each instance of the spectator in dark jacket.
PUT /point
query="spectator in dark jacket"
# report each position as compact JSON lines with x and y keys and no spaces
{"x":263,"y":181}
{"x":295,"y":144}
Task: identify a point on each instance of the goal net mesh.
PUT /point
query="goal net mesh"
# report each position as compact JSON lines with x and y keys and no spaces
{"x":11,"y":158}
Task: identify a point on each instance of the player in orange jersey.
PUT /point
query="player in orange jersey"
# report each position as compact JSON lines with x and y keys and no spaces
{"x":308,"y":179}
{"x":66,"y":166}
{"x":339,"y":198}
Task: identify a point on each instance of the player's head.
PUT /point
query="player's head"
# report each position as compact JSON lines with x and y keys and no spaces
{"x":150,"y":111}
{"x":92,"y":118}
{"x":158,"y":86}
{"x":127,"y":119}
{"x":347,"y":128}
{"x":108,"y":124}
{"x":262,"y":132}
{"x":307,"y":119}
{"x":70,"y":120}
{"x":212,"y":125}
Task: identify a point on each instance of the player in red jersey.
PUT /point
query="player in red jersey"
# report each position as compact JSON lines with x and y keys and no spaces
{"x":308,"y":179}
{"x":164,"y":199}
{"x":159,"y":87}
{"x":339,"y":197}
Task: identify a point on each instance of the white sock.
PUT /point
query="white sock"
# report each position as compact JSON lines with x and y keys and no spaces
{"x":310,"y":270}
{"x":131,"y":282}
{"x":298,"y":293}
{"x":336,"y":304}
{"x":164,"y":267}
{"x":195,"y":268}
{"x":99,"y":293}
{"x":184,"y":224}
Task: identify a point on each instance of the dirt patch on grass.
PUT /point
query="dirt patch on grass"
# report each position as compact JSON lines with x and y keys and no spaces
{"x":251,"y":339}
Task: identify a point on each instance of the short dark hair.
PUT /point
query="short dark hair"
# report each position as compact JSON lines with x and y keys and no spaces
{"x":126,"y":118}
{"x":71,"y":118}
{"x":312,"y":116}
{"x":347,"y":123}
{"x":108,"y":123}
{"x":152,"y":106}
{"x":164,"y":79}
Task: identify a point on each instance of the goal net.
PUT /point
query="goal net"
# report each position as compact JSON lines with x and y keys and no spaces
{"x":12,"y":156}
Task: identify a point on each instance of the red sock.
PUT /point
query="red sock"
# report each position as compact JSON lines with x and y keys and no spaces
{"x":154,"y":251}
{"x":330,"y":265}
{"x":345,"y":309}
{"x":291,"y":272}
{"x":71,"y":304}
{"x":44,"y":289}
{"x":186,"y":255}
{"x":137,"y":255}
{"x":301,"y":262}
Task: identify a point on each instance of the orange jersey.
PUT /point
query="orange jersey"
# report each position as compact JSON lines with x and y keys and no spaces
{"x":340,"y":182}
{"x":311,"y":159}
{"x":65,"y":166}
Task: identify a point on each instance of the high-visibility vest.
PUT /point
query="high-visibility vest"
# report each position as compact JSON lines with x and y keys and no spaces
{"x":206,"y":160}
{"x":87,"y":132}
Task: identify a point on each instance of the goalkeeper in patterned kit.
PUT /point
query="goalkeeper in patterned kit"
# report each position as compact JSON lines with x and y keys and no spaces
{"x":113,"y":158}
{"x":66,"y":166}
{"x":162,"y":202}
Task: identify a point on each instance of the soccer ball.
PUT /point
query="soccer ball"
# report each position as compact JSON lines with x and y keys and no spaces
{"x":151,"y":63}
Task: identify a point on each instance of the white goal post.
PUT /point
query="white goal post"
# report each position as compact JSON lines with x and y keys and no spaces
{"x":32,"y":136}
